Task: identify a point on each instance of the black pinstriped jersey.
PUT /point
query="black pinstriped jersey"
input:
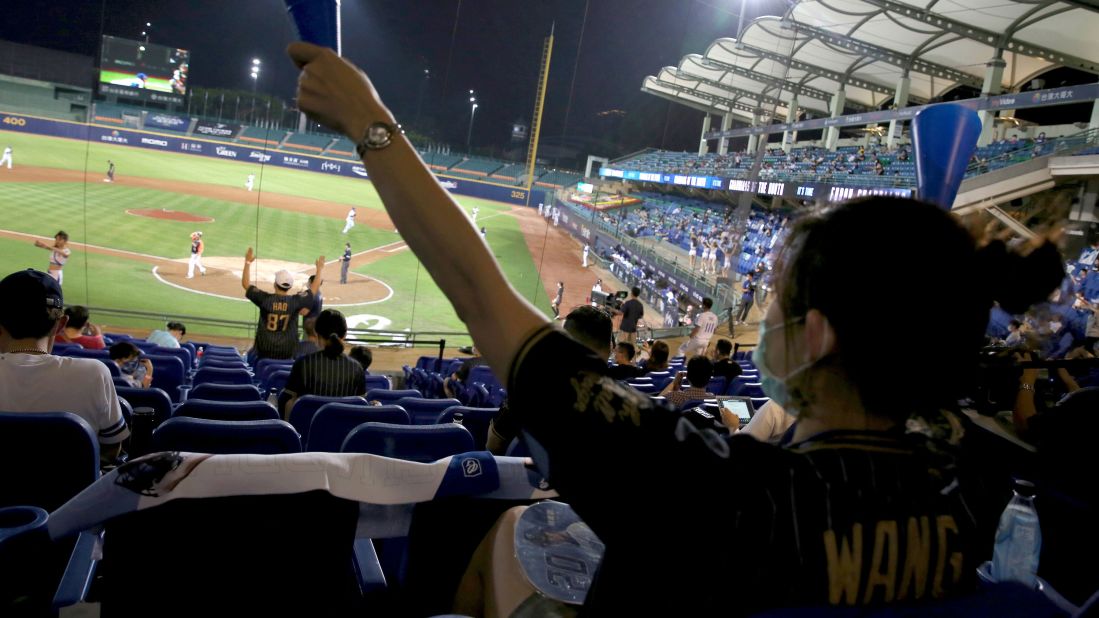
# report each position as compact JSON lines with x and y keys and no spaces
{"x":316,"y":374}
{"x":846,"y":518}
{"x":277,"y":330}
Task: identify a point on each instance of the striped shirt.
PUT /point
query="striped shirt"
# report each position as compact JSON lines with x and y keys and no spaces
{"x":316,"y":374}
{"x":277,"y":330}
{"x":846,"y":518}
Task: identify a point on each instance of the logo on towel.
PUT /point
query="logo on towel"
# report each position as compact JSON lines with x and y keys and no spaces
{"x":471,"y":467}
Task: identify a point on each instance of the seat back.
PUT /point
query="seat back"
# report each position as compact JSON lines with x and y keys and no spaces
{"x":217,"y":363}
{"x":153,"y":398}
{"x":422,"y":443}
{"x":225,"y":392}
{"x":227,"y":410}
{"x":694,"y":403}
{"x":716,"y":385}
{"x":275,"y":382}
{"x":48,"y":457}
{"x":183,"y":354}
{"x":749,"y":389}
{"x":307,"y":405}
{"x":265,"y":366}
{"x":334,"y":421}
{"x":237,"y":554}
{"x":201,"y":435}
{"x":80,"y":352}
{"x":217,"y":375}
{"x":381,"y":382}
{"x":425,"y":411}
{"x":390,"y":396}
{"x":168,"y":374}
{"x":476,"y":420}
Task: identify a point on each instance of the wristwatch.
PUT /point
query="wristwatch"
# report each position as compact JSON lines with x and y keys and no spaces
{"x":1026,"y":386}
{"x":377,"y":136}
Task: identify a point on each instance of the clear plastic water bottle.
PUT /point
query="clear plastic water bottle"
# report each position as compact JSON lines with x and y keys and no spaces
{"x":458,"y":418}
{"x":1018,"y":539}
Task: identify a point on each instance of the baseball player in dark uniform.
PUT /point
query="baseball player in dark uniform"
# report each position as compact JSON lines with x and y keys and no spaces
{"x":277,"y":330}
{"x":345,"y":262}
{"x":110,"y":171}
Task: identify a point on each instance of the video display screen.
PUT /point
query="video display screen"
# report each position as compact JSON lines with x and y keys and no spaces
{"x":143,"y":70}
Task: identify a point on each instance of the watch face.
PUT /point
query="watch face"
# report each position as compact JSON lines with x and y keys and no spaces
{"x":377,"y":134}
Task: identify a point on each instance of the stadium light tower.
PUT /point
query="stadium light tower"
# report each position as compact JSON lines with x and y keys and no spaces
{"x":255,"y":73}
{"x":472,"y":114}
{"x":145,"y":32}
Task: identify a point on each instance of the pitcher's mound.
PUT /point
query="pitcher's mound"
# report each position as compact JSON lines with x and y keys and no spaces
{"x":170,"y":215}
{"x":223,"y":275}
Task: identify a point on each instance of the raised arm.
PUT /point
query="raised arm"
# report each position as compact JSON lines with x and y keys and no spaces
{"x":246,"y":272}
{"x":319,"y":277}
{"x":335,"y":93}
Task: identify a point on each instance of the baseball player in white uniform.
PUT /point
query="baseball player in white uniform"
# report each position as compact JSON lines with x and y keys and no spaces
{"x":248,"y":183}
{"x":473,"y":213}
{"x":703,"y":331}
{"x":540,"y":207}
{"x":6,"y":158}
{"x":197,"y":247}
{"x":587,"y":250}
{"x":350,"y":222}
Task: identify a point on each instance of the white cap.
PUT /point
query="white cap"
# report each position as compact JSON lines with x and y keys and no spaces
{"x":284,"y":280}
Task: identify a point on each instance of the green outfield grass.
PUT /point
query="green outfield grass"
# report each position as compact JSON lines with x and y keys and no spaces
{"x":95,"y":213}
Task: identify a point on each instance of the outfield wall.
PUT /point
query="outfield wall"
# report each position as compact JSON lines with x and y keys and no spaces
{"x":238,"y":152}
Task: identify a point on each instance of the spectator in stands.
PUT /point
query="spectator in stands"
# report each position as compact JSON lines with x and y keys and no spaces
{"x":80,"y":330}
{"x":747,"y":296}
{"x":849,"y":465}
{"x":308,"y":344}
{"x":698,"y":374}
{"x":318,"y":302}
{"x":1015,"y":333}
{"x":460,"y":376}
{"x":632,"y":311}
{"x":658,"y":357}
{"x":170,"y":337}
{"x":624,"y":369}
{"x":724,"y":367}
{"x":362,"y":354}
{"x":34,"y":380}
{"x":277,"y":330}
{"x":137,"y":371}
{"x":328,"y":373}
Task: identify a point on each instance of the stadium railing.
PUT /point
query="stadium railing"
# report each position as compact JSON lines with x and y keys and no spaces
{"x":1077,"y":143}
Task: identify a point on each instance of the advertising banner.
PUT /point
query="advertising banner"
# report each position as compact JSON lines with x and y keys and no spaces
{"x":216,"y":129}
{"x":167,"y":122}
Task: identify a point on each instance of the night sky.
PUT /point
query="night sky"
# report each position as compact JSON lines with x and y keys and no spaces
{"x":496,"y":49}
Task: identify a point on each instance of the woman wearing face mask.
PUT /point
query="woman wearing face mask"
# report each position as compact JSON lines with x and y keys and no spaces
{"x":854,"y":510}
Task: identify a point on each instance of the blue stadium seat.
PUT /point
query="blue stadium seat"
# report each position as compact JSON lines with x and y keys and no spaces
{"x":301,"y":415}
{"x":647,"y":388}
{"x":214,"y":375}
{"x":153,"y":398}
{"x":227,"y":410}
{"x":749,"y":389}
{"x":424,"y":411}
{"x":168,"y":375}
{"x":218,"y":363}
{"x":716,"y":385}
{"x":687,"y":405}
{"x":80,"y":352}
{"x":422,"y":443}
{"x":225,"y":392}
{"x":202,"y":435}
{"x":334,"y":421}
{"x":48,"y":457}
{"x":476,"y":420}
{"x":390,"y":396}
{"x":182,"y":354}
{"x":275,"y":382}
{"x":265,"y":366}
{"x":61,"y":348}
{"x":373,"y":382}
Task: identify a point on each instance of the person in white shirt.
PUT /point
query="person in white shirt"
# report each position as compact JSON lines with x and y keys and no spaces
{"x":587,"y":250}
{"x":540,"y":207}
{"x":6,"y":158}
{"x":168,"y":338}
{"x":473,"y":213}
{"x":703,"y":331}
{"x":33,"y":380}
{"x":350,"y":222}
{"x":251,"y":180}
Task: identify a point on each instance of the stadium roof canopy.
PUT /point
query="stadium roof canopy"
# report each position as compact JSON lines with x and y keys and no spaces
{"x":869,"y":45}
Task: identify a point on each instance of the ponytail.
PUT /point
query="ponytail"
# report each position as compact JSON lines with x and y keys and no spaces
{"x":334,"y":347}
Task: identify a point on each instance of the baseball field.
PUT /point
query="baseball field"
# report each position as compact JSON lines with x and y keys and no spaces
{"x":131,"y":237}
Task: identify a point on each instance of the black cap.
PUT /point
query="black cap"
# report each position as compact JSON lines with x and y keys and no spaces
{"x":31,"y":289}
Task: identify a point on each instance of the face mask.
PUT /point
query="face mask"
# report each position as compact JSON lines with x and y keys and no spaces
{"x":1054,"y":326}
{"x":774,"y":386}
{"x":129,"y":366}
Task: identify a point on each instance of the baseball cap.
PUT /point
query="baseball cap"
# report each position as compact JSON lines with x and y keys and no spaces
{"x":284,"y":280}
{"x":27,"y":295}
